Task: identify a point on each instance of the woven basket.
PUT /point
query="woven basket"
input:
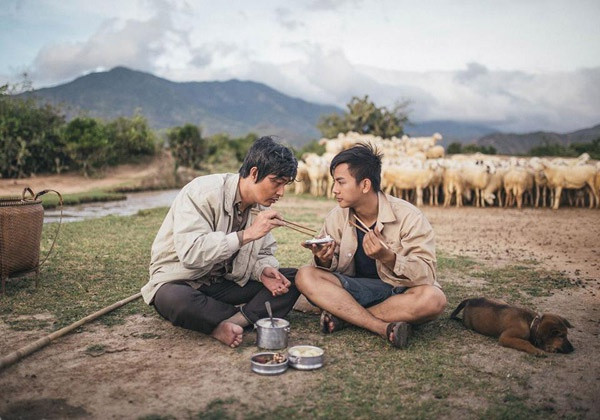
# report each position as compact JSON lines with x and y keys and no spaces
{"x":21,"y":222}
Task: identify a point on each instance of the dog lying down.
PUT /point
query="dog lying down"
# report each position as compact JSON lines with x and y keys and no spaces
{"x":517,"y":328}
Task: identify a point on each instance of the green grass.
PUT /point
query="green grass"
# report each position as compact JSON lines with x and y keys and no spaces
{"x":99,"y":262}
{"x":50,"y":200}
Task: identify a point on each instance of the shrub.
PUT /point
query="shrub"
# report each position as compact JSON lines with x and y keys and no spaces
{"x":187,"y":146}
{"x":87,"y":143}
{"x":129,"y":139}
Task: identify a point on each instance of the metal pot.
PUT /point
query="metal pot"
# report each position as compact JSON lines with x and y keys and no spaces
{"x":262,"y":363}
{"x":274,"y":336}
{"x":305,"y":357}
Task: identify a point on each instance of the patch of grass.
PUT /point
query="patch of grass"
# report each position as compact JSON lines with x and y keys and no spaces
{"x":94,"y":264}
{"x":157,"y":417}
{"x":99,"y":262}
{"x":219,"y":409}
{"x":95,"y":349}
{"x":516,"y":283}
{"x":27,"y":324}
{"x":50,"y":200}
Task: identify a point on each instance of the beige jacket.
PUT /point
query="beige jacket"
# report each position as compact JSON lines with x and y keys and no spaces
{"x":196,"y":234}
{"x":405,"y":230}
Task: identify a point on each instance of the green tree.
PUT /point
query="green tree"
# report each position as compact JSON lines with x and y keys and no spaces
{"x":241,"y":145}
{"x":87,"y":143}
{"x":551,"y":149}
{"x":364,"y":117}
{"x":30,"y":136}
{"x":187,"y":146}
{"x":454,"y":148}
{"x":129,"y":139}
{"x":593,"y":148}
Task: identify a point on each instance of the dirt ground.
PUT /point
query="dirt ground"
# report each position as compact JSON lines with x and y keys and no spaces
{"x":148,"y":367}
{"x":151,"y":174}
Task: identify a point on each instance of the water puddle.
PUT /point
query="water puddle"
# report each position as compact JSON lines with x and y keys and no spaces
{"x":134,"y":203}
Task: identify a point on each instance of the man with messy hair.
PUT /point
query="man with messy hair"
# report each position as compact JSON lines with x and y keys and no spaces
{"x":213,"y":266}
{"x":379,"y":272}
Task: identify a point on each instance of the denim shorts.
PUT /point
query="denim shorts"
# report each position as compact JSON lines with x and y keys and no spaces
{"x":368,"y":292}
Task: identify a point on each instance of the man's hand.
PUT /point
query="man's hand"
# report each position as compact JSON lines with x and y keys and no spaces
{"x":373,"y":247}
{"x":274,"y":281}
{"x":323,"y":253}
{"x":264,"y":222}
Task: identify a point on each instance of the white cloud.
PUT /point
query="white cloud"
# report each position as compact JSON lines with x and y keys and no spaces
{"x":510,"y":101}
{"x":312,"y":54}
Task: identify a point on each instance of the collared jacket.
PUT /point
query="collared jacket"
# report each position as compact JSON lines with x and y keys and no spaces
{"x":404,"y":229}
{"x":196,"y":235}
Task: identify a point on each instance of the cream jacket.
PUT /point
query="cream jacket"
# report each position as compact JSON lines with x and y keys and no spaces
{"x":405,"y":230}
{"x":196,"y":235}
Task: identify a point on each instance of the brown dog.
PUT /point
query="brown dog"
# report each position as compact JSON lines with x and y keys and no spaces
{"x":517,"y":328}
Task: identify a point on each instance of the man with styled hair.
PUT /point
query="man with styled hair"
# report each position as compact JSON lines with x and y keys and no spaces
{"x":212,"y":254}
{"x":379,"y":273}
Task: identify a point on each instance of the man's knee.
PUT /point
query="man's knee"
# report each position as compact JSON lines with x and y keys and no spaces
{"x":433,"y":301}
{"x":304,"y":278}
{"x":430,"y":302}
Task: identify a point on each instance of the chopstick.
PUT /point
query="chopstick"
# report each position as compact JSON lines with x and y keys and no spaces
{"x":291,"y":225}
{"x":362,"y":223}
{"x":366,"y":229}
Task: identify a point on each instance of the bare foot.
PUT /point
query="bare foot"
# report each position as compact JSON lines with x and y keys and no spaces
{"x":228,"y":333}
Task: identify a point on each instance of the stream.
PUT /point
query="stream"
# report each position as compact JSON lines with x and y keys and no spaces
{"x":131,"y":205}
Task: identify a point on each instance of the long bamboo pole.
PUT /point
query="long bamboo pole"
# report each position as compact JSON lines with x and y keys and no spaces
{"x":15,"y":356}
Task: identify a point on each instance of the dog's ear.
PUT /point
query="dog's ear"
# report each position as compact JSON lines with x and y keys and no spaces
{"x":565,"y":322}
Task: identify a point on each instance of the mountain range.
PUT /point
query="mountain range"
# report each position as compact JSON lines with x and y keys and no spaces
{"x":239,"y":107}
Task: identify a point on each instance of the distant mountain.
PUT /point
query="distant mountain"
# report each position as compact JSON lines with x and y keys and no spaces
{"x":234,"y":107}
{"x":239,"y":107}
{"x":451,"y":131}
{"x":522,"y":143}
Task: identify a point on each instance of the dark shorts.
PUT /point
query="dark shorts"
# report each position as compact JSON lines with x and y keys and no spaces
{"x":368,"y":292}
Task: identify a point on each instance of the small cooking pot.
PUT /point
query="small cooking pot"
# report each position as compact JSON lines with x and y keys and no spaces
{"x":272,"y":336}
{"x":305,"y":357}
{"x":263,"y":364}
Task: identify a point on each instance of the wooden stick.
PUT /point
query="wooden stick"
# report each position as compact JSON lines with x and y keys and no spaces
{"x":361,"y":222}
{"x":366,"y":230}
{"x":314,"y":232}
{"x":42,"y":342}
{"x":299,"y":230}
{"x":292,"y":225}
{"x":358,"y":227}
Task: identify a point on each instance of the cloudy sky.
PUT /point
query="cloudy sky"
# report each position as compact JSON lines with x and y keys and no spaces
{"x":517,"y":65}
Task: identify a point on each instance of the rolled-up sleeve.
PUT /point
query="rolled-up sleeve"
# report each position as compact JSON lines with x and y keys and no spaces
{"x":196,"y":243}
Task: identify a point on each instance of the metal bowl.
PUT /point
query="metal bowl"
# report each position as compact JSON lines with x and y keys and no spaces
{"x":272,"y":336}
{"x":262,"y":363}
{"x":306,"y":357}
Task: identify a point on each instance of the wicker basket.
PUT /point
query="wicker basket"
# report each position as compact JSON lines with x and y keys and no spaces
{"x":21,"y":222}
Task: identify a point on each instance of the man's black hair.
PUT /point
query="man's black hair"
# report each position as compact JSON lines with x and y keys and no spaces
{"x":364,"y":162}
{"x":269,"y":157}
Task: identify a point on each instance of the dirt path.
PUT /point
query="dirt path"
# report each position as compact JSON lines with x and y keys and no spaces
{"x":149,"y":367}
{"x":143,"y":175}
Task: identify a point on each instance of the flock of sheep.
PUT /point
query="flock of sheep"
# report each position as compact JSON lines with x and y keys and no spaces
{"x":416,"y":169}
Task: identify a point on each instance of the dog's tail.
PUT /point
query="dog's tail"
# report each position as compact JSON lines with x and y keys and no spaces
{"x":459,"y":308}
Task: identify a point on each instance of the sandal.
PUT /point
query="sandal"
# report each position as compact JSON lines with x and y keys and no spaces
{"x":327,"y":319}
{"x":401,"y":331}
